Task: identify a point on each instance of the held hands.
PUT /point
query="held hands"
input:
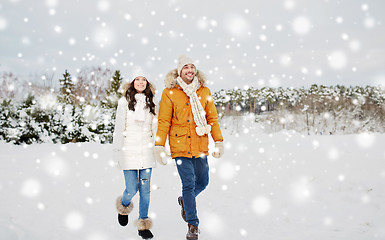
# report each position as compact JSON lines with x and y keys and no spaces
{"x":219,"y":150}
{"x":160,"y":154}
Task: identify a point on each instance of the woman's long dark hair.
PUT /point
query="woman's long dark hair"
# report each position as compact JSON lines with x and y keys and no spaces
{"x":130,"y":96}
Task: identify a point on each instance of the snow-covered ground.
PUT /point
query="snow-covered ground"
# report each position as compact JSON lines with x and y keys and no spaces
{"x":281,"y":186}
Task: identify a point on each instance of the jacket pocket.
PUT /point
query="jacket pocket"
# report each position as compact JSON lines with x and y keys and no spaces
{"x":178,"y":139}
{"x":204,"y":143}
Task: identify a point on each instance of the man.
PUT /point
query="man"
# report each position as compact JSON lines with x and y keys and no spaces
{"x":187,"y":115}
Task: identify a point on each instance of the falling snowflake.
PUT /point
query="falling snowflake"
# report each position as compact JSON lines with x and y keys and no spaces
{"x":226,"y":170}
{"x":3,"y":23}
{"x":237,"y":25}
{"x":212,"y":224}
{"x":74,"y":221}
{"x":103,"y":5}
{"x":337,"y":60}
{"x":301,"y":25}
{"x":51,"y":3}
{"x":365,"y":140}
{"x":31,"y":188}
{"x":261,"y":205}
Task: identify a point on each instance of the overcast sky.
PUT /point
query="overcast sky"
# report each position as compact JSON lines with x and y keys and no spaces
{"x":288,"y":43}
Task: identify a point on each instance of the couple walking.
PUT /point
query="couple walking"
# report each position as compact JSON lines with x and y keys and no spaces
{"x":187,"y":115}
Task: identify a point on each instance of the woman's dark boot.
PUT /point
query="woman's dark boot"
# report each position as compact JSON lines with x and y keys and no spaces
{"x":123,"y":211}
{"x":144,"y":226}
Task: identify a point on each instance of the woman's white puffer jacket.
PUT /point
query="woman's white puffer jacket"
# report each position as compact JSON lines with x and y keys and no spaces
{"x":133,"y":139}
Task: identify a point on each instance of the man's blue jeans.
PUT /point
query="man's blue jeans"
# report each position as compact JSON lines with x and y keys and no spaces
{"x":194,"y":174}
{"x":138,"y":180}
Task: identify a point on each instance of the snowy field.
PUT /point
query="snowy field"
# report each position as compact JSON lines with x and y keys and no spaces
{"x":281,"y":186}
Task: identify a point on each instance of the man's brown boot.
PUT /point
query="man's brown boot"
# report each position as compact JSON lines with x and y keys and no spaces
{"x":182,"y":212}
{"x":192,"y":233}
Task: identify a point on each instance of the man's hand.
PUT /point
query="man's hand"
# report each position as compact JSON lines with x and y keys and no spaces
{"x":160,"y":154}
{"x":219,"y":150}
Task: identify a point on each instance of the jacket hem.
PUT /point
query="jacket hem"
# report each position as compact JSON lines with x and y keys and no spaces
{"x":185,"y":154}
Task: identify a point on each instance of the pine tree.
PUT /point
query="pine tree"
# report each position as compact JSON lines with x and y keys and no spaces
{"x":9,"y":118}
{"x":66,"y":94}
{"x":112,"y":93}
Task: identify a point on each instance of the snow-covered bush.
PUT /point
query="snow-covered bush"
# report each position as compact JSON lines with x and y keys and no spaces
{"x":8,"y":120}
{"x":82,"y":109}
{"x":62,"y":123}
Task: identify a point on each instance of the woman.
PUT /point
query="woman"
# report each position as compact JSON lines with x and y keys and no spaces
{"x":133,"y":149}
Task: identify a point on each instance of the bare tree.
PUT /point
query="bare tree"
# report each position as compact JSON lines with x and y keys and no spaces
{"x":91,"y":84}
{"x":9,"y":85}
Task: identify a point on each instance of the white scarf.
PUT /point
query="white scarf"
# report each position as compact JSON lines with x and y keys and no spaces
{"x":196,"y":106}
{"x":139,"y":107}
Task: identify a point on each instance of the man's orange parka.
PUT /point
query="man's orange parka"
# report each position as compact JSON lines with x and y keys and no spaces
{"x":176,"y":119}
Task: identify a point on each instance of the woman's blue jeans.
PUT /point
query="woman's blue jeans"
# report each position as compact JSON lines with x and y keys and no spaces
{"x":194,"y":174}
{"x":138,"y":180}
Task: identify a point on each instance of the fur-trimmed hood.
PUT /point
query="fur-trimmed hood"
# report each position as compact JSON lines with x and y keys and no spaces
{"x":171,"y":76}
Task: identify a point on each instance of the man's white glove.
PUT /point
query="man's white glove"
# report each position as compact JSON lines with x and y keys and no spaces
{"x":160,"y":154}
{"x":219,"y":149}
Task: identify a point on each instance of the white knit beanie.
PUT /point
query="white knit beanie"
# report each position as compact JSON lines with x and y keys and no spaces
{"x":182,"y":61}
{"x":136,"y":72}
